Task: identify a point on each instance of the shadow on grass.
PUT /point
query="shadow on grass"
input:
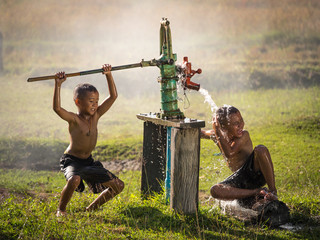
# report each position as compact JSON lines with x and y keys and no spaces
{"x":204,"y":225}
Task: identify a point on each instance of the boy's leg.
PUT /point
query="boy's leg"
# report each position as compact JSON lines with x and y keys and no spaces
{"x":226,"y":192}
{"x":67,"y":192}
{"x":263,"y":162}
{"x":114,"y":187}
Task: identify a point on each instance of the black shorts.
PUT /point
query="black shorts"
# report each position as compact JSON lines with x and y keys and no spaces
{"x":92,"y":172}
{"x":245,"y":177}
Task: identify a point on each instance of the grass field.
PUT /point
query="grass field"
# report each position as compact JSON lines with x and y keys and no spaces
{"x":260,"y":56}
{"x":291,"y":132}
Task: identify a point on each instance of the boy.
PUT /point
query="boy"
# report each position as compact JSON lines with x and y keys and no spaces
{"x":252,"y":168}
{"x":77,"y":162}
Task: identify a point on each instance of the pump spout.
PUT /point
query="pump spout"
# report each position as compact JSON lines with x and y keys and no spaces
{"x":191,"y":85}
{"x":187,"y":73}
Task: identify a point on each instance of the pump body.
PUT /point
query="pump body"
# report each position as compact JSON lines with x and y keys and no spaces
{"x":171,"y":74}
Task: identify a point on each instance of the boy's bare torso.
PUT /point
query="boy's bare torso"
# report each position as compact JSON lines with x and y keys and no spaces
{"x":234,"y":142}
{"x":236,"y":159}
{"x":83,"y":136}
{"x":83,"y":126}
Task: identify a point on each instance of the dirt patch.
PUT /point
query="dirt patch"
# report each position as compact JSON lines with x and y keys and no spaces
{"x":122,"y":165}
{"x":4,"y":193}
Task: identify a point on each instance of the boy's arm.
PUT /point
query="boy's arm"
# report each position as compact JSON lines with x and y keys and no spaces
{"x":65,"y":115}
{"x":216,"y":133}
{"x":107,"y":103}
{"x":211,"y":134}
{"x":206,"y":134}
{"x":229,"y":147}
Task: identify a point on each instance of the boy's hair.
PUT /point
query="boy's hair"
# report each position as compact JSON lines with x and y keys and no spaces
{"x":81,"y":90}
{"x":223,"y":114}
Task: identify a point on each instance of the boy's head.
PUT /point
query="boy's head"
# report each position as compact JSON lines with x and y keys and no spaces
{"x":81,"y":90}
{"x":230,"y":120}
{"x":86,"y":97}
{"x":223,"y":114}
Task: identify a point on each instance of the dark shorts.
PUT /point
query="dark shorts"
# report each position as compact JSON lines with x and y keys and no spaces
{"x":92,"y":172}
{"x":245,"y":177}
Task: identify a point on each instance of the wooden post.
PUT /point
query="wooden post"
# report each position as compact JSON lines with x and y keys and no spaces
{"x":154,"y":158}
{"x":185,"y":156}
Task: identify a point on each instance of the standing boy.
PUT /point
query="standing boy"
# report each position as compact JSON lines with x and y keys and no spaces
{"x":77,"y":162}
{"x":252,"y":168}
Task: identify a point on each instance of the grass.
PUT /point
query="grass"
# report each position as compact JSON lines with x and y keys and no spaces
{"x":260,"y":56}
{"x":29,"y":198}
{"x":28,"y":213}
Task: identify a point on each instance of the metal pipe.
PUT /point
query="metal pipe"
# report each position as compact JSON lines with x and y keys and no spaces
{"x":168,"y":168}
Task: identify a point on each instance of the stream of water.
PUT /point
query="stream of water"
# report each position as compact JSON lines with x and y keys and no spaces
{"x":208,"y":99}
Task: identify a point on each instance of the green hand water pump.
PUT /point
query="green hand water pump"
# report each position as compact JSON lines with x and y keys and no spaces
{"x":170,"y":72}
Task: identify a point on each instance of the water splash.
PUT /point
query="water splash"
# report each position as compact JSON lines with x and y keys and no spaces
{"x":232,"y":208}
{"x":208,"y":99}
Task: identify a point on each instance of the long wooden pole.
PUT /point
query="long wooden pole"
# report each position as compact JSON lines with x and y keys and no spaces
{"x":122,"y":67}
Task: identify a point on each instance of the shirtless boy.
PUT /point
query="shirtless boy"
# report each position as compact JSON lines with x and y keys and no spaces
{"x":77,"y":162}
{"x":252,"y":167}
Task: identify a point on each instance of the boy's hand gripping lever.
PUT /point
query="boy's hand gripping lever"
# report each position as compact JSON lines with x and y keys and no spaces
{"x":187,"y":73}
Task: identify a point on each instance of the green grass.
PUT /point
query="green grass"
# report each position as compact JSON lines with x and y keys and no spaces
{"x":28,"y":213}
{"x":260,"y":56}
{"x":30,"y":198}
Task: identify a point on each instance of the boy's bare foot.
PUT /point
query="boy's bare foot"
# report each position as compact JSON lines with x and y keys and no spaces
{"x":259,"y":203}
{"x":61,"y":214}
{"x":268,"y":195}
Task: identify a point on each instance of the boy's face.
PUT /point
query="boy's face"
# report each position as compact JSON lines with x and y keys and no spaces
{"x":234,"y":127}
{"x":89,"y":104}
